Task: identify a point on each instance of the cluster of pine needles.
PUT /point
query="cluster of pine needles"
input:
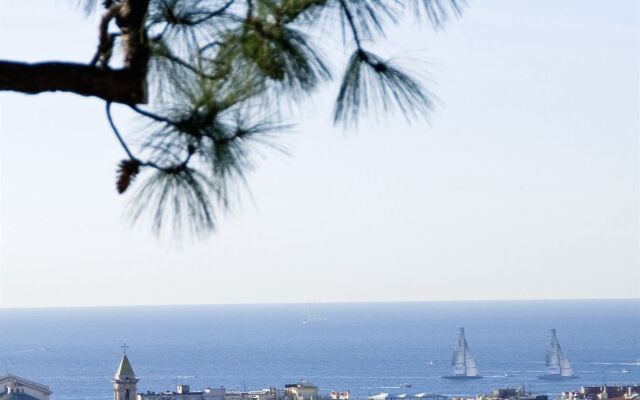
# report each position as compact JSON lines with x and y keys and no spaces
{"x":219,"y":74}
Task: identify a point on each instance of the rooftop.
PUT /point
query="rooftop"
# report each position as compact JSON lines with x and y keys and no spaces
{"x":125,"y":371}
{"x":24,"y":382}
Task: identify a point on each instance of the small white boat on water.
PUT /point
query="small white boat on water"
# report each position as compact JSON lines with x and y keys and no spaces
{"x":463,"y":365}
{"x":558,"y":366}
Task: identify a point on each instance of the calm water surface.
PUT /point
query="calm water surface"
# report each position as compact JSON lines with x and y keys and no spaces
{"x":367,"y":348}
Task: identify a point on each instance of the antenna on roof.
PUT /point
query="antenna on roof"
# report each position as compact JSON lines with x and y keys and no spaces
{"x":124,"y":348}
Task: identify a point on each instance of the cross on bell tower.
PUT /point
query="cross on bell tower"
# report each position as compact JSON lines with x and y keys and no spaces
{"x":124,"y":381}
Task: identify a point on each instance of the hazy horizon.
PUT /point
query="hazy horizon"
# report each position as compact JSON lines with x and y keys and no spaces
{"x":524,"y":184}
{"x":328,"y":303}
{"x":364,"y":348}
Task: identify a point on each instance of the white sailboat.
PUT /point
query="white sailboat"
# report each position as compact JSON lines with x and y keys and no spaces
{"x":313,"y":315}
{"x":464,"y":367}
{"x":558,"y":366}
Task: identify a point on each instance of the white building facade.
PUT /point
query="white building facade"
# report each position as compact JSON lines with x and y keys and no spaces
{"x":183,"y":392}
{"x":16,"y":387}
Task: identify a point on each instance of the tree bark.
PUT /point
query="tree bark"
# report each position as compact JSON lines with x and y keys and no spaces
{"x":116,"y":85}
{"x":127,"y":85}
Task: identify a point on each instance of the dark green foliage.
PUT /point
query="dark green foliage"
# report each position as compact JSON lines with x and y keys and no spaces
{"x":218,"y":72}
{"x":177,"y":200}
{"x":370,"y":80}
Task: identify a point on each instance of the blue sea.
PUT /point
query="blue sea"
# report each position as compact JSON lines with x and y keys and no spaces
{"x":367,"y":348}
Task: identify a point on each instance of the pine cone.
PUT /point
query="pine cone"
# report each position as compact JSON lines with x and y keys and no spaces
{"x":127,"y":171}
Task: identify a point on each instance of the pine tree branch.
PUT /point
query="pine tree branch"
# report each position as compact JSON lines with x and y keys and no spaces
{"x":115,"y":85}
{"x":153,"y":116}
{"x":126,"y":85}
{"x":352,"y":25}
{"x":119,"y":136}
{"x":170,"y":168}
{"x":215,"y":13}
{"x":105,"y":45}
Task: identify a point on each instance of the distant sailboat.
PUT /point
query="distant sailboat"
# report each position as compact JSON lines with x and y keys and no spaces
{"x":463,"y":365}
{"x":558,"y":366}
{"x":313,"y":315}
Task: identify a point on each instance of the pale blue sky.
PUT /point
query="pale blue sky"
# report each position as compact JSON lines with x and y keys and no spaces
{"x":524,"y":184}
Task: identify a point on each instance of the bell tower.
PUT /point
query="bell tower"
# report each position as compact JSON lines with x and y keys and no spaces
{"x":124,"y":381}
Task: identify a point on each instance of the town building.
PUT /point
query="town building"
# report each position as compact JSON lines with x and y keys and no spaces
{"x":124,"y":381}
{"x":17,"y":388}
{"x":404,"y":396}
{"x":511,"y":394}
{"x":184,"y":392}
{"x":125,"y":387}
{"x":264,"y":394}
{"x":612,"y":392}
{"x":340,"y":395}
{"x":302,"y":390}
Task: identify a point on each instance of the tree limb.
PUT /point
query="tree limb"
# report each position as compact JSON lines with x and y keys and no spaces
{"x":105,"y":44}
{"x":126,"y":85}
{"x":115,"y":85}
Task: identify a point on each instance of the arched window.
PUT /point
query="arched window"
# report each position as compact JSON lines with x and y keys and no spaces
{"x":126,"y":394}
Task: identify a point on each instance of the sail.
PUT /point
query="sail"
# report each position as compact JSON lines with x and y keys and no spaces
{"x":458,"y":362}
{"x":462,"y":361}
{"x":557,"y":362}
{"x":565,"y":366}
{"x":553,"y":356}
{"x":471,"y":369}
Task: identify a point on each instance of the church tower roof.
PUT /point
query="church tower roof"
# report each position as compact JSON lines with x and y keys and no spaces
{"x":125,"y":371}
